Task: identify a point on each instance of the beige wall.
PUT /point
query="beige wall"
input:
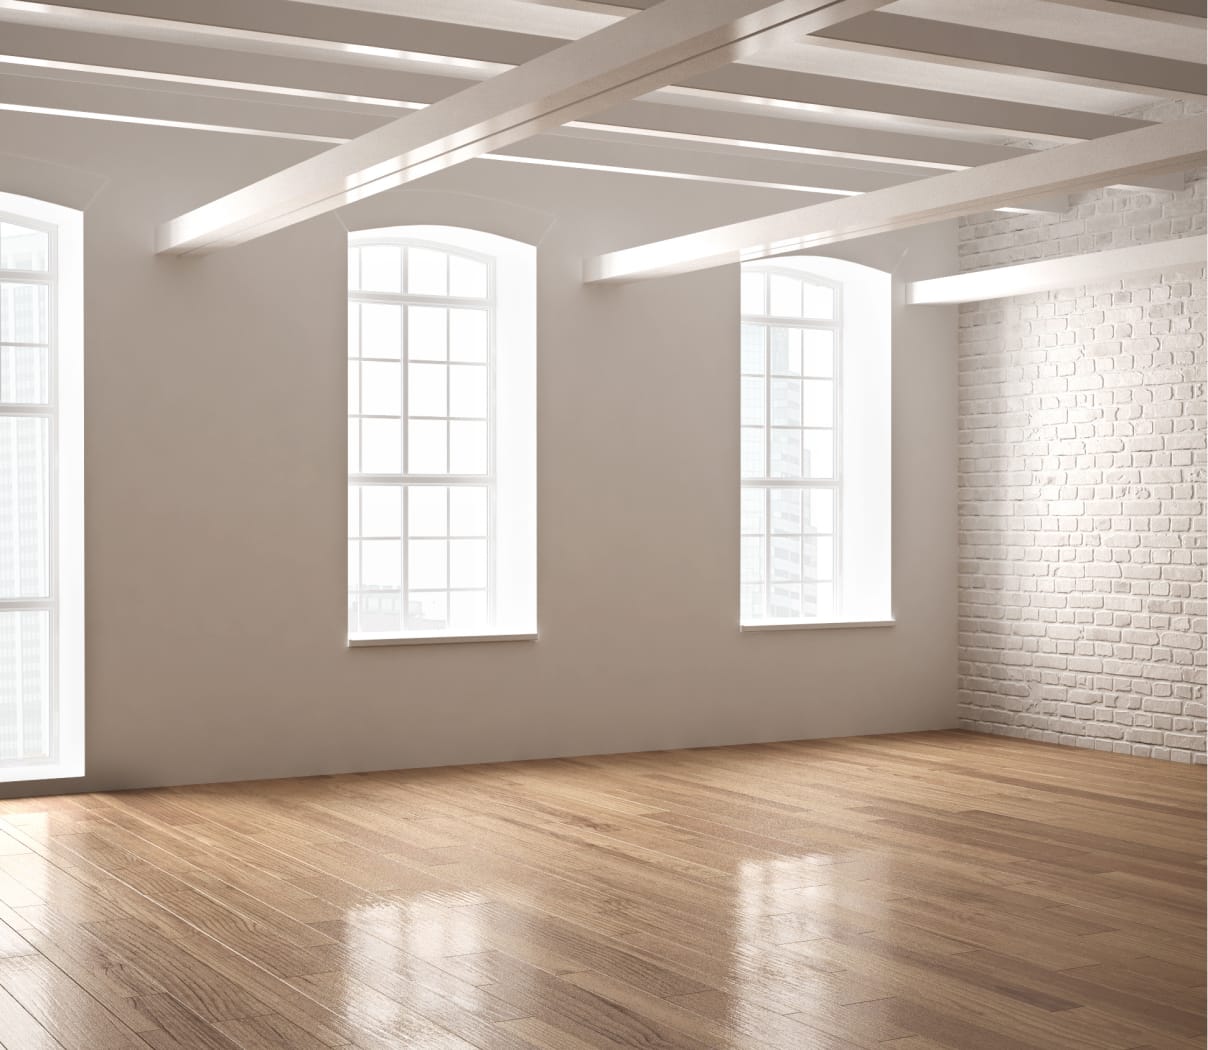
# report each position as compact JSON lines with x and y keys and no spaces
{"x":216,"y":491}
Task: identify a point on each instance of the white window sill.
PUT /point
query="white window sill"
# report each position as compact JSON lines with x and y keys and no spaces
{"x":358,"y":641}
{"x":810,"y":625}
{"x":57,"y":771}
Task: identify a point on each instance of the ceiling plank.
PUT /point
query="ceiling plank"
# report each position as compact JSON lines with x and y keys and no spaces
{"x":1189,"y":13}
{"x":964,"y":46}
{"x":1002,"y":282}
{"x":1114,"y":159}
{"x":673,"y":39}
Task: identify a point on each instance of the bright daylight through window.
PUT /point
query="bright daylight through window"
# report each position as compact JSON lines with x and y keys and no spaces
{"x":815,"y":452}
{"x":41,"y":491}
{"x":441,"y":436}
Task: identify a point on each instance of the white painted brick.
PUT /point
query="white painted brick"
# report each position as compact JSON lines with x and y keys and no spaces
{"x":1083,"y":474}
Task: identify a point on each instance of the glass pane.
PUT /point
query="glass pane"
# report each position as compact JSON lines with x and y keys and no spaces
{"x":819,"y":510}
{"x":784,"y":601}
{"x":468,"y":563}
{"x":427,"y":395}
{"x":354,"y":269}
{"x":354,"y":510}
{"x":786,"y":402}
{"x":818,"y":558}
{"x":752,"y":349}
{"x":467,"y":448}
{"x":467,"y":278}
{"x":354,"y":565}
{"x":354,"y":446}
{"x":427,"y":611}
{"x":24,"y":507}
{"x":785,"y":454}
{"x":750,"y":602}
{"x":468,"y":391}
{"x":25,"y":684}
{"x":23,"y":313}
{"x":786,"y":351}
{"x":376,"y":612}
{"x":354,"y":388}
{"x":381,"y":446}
{"x":23,"y":249}
{"x":381,"y":330}
{"x":381,"y":268}
{"x":818,"y":600}
{"x":427,"y":272}
{"x":427,"y":564}
{"x":427,"y":451}
{"x":752,"y":293}
{"x":751,"y":566}
{"x":468,"y":335}
{"x":354,"y":330}
{"x":427,"y":510}
{"x":427,"y":333}
{"x":381,"y":510}
{"x":784,"y":296}
{"x":468,"y":610}
{"x":819,"y":346}
{"x":381,"y":387}
{"x":819,"y":301}
{"x":24,"y":378}
{"x":786,"y":508}
{"x":786,"y":557}
{"x":467,"y":512}
{"x":753,"y":398}
{"x":752,"y":511}
{"x":381,"y":565}
{"x":819,"y":454}
{"x":752,"y":454}
{"x":819,"y":403}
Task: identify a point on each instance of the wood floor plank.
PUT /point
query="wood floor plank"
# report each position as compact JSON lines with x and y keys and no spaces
{"x":909,"y":892}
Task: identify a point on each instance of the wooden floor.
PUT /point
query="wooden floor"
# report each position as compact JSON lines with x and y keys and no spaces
{"x":907,"y":892}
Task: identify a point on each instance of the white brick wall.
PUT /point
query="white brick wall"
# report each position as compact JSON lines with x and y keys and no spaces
{"x":1082,"y":486}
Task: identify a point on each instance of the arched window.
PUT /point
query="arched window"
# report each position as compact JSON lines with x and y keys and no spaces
{"x":441,"y":440}
{"x":41,"y":491}
{"x":815,"y":443}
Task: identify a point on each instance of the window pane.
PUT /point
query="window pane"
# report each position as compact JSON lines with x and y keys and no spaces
{"x":24,"y":507}
{"x":819,"y":301}
{"x":354,"y":388}
{"x":786,"y":351}
{"x":819,"y":508}
{"x":752,"y":349}
{"x":381,"y":510}
{"x":468,"y":391}
{"x":818,"y":557}
{"x":23,"y":374}
{"x":427,"y":333}
{"x":23,"y":313}
{"x":25,"y":684}
{"x":787,"y":517}
{"x":381,"y":330}
{"x":468,"y":335}
{"x":818,"y":403}
{"x":427,"y":395}
{"x":819,"y":454}
{"x":427,"y":611}
{"x":381,"y":565}
{"x":750,"y":600}
{"x":819,"y":352}
{"x":784,"y":296}
{"x":381,"y":386}
{"x":427,"y":564}
{"x":467,"y":448}
{"x":786,"y":557}
{"x":752,"y":562}
{"x":784,"y":601}
{"x":752,"y":454}
{"x":752,"y":514}
{"x":785,"y":454}
{"x":354,"y":510}
{"x":381,"y":446}
{"x":427,"y":272}
{"x":468,"y":610}
{"x":786,"y":403}
{"x":427,"y":451}
{"x":354,"y":446}
{"x":23,"y":249}
{"x":753,"y":397}
{"x":752,"y":293}
{"x":468,"y":563}
{"x":467,"y":278}
{"x":381,"y":268}
{"x":818,"y":600}
{"x":427,"y":510}
{"x":376,"y":612}
{"x":467,"y":511}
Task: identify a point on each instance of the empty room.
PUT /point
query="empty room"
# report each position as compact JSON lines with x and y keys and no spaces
{"x":586,"y":524}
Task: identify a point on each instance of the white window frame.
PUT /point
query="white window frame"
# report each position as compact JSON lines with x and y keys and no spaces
{"x":65,"y":414}
{"x":509,"y":627}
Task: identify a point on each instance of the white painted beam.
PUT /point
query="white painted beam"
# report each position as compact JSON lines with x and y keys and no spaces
{"x":1114,"y":159}
{"x":676,"y":38}
{"x":1001,"y":282}
{"x":965,"y":46}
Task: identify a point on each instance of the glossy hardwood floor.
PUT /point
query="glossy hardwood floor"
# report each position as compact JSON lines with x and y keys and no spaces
{"x":902,"y":892}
